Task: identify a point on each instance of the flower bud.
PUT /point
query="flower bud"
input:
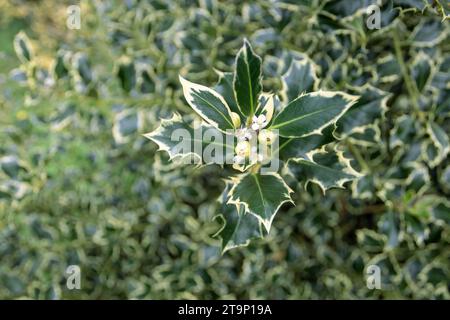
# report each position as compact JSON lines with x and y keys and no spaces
{"x":236,"y":119}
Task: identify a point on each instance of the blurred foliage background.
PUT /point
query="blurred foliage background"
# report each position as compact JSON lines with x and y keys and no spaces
{"x":80,"y":185}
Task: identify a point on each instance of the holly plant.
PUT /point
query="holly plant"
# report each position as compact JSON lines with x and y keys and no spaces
{"x":264,"y":137}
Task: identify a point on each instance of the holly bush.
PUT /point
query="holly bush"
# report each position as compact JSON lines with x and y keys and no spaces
{"x":358,"y":117}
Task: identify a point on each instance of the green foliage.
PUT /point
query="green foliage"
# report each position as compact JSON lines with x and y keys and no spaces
{"x":306,"y":115}
{"x":80,"y":184}
{"x":247,"y":79}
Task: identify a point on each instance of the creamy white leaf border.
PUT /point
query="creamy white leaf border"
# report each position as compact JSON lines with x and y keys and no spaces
{"x":350,"y":99}
{"x":267,"y":223}
{"x":299,"y":63}
{"x":347,"y":167}
{"x":189,"y":86}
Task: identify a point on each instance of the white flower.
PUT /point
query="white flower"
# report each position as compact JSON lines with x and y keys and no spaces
{"x":243,"y":148}
{"x":238,"y":160}
{"x":259,"y":122}
{"x":254,"y":155}
{"x":244,"y":134}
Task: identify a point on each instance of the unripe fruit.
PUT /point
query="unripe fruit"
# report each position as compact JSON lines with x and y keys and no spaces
{"x":236,"y":119}
{"x":266,"y":136}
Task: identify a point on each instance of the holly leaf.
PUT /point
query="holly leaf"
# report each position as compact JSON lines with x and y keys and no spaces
{"x":299,"y":78}
{"x":266,"y":106}
{"x":421,"y":70}
{"x":238,"y":227}
{"x":225,"y":88}
{"x":82,"y":68}
{"x":328,"y":168}
{"x":311,"y":113}
{"x":22,"y":47}
{"x":343,"y":8}
{"x":388,"y":69}
{"x":428,"y":33}
{"x":180,"y":140}
{"x":247,"y":79}
{"x":261,"y":195}
{"x":370,"y":106}
{"x":126,"y":124}
{"x":210,"y":105}
{"x":300,"y":147}
{"x":126,"y":72}
{"x":440,"y":141}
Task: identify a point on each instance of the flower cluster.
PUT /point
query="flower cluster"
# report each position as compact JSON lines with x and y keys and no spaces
{"x":248,"y":137}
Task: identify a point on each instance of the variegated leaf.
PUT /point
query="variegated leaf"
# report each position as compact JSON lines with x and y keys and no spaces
{"x":300,"y":147}
{"x":445,"y":178}
{"x":388,"y":69}
{"x":180,"y":140}
{"x":266,"y":106}
{"x":126,"y":124}
{"x":370,"y":106}
{"x":327,"y":168}
{"x":210,"y":105}
{"x":440,"y":140}
{"x":261,"y":195}
{"x":225,"y":88}
{"x":299,"y":78}
{"x":238,"y":227}
{"x":247,"y":79}
{"x":428,"y":33}
{"x":421,"y":70}
{"x":344,"y":8}
{"x":311,"y":113}
{"x":126,"y":72}
{"x":23,"y":47}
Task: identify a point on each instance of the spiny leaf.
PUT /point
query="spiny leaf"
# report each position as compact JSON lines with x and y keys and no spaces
{"x":370,"y":106}
{"x":300,"y":147}
{"x":428,"y":33}
{"x":261,"y":195}
{"x":210,"y":105}
{"x":440,"y":140}
{"x":299,"y":78}
{"x":327,"y":168}
{"x":238,"y":226}
{"x":247,"y":79}
{"x":180,"y":140}
{"x":403,"y":132}
{"x":311,"y":113}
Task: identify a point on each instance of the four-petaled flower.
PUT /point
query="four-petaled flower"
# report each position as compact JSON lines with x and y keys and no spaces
{"x":244,"y":134}
{"x":259,"y":122}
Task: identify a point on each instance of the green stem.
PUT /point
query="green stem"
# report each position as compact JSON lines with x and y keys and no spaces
{"x":410,"y":86}
{"x":255,"y":168}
